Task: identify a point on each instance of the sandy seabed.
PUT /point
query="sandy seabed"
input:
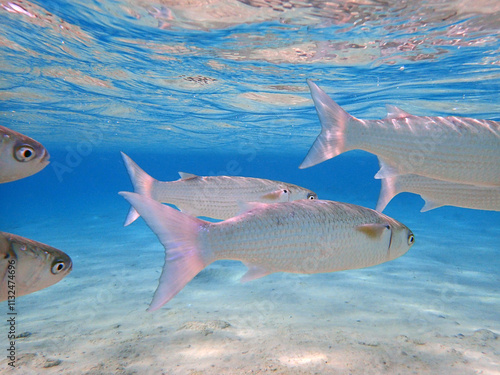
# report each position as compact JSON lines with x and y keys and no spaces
{"x":436,"y":310}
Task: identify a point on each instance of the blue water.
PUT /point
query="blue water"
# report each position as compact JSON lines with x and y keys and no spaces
{"x":219,"y":88}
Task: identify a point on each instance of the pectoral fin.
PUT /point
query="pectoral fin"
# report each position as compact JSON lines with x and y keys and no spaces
{"x":254,"y":272}
{"x":274,"y":195}
{"x":374,"y":231}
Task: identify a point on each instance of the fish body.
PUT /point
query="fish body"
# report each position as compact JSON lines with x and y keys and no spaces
{"x":20,"y":156}
{"x":304,"y":236}
{"x":218,"y":197}
{"x":455,"y":149}
{"x":27,"y":266}
{"x":438,"y":193}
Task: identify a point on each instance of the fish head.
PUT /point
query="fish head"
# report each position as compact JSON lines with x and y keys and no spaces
{"x":29,"y":265}
{"x":402,"y":238}
{"x":20,"y":156}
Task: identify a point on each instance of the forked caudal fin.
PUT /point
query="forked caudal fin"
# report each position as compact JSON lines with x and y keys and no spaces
{"x":178,"y":233}
{"x":334,"y":120}
{"x":142,"y":182}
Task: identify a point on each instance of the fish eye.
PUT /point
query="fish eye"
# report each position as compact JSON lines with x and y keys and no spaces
{"x":411,"y":239}
{"x":285,"y":191}
{"x":311,"y":196}
{"x":24,"y":153}
{"x":57,"y":267}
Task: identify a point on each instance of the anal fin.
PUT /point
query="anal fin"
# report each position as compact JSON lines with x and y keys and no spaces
{"x":373,"y":230}
{"x":387,"y":170}
{"x":430,"y":205}
{"x":254,"y":272}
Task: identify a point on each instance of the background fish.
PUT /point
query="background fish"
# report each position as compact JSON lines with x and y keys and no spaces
{"x":455,"y":149}
{"x":303,"y":237}
{"x":20,"y":156}
{"x":36,"y":265}
{"x":437,"y":193}
{"x":218,"y":197}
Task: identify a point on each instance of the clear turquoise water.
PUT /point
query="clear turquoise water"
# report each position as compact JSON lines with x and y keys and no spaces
{"x":219,"y":88}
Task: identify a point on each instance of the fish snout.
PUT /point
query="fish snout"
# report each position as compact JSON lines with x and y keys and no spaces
{"x":402,"y":238}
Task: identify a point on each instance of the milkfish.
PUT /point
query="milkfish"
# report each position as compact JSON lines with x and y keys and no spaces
{"x":27,"y":266}
{"x":216,"y":197}
{"x":455,"y":149}
{"x":20,"y":156}
{"x":303,"y":236}
{"x":438,"y":193}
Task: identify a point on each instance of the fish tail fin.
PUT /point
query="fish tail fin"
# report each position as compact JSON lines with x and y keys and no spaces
{"x":178,"y":234}
{"x":334,"y":120}
{"x":142,"y":182}
{"x":388,"y":190}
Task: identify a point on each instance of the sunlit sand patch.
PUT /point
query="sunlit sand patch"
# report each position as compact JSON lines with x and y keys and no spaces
{"x":303,"y":359}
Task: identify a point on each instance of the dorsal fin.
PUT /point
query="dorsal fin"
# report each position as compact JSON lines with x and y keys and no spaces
{"x":394,"y":112}
{"x":187,"y":176}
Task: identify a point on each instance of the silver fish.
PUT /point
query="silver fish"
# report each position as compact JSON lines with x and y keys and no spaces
{"x":218,"y":197}
{"x":20,"y":156}
{"x":455,"y":149}
{"x":304,"y":236}
{"x":438,"y":193}
{"x":27,"y":266}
